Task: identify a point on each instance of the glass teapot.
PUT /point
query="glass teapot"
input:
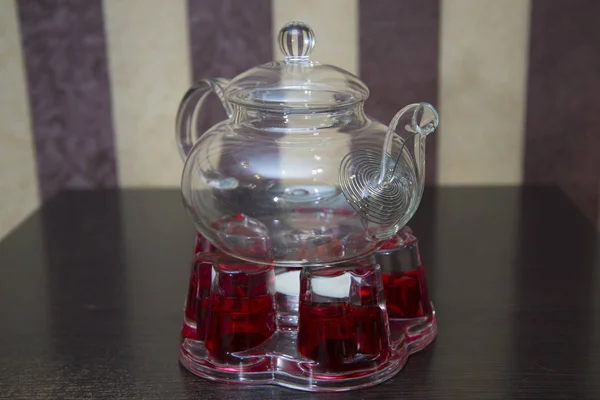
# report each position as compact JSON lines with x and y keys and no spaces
{"x":299,"y":175}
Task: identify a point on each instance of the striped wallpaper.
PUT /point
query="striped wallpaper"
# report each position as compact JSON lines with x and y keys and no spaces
{"x":89,"y":89}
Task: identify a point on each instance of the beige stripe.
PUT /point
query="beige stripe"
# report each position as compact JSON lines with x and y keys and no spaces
{"x":149,"y":65}
{"x":335,"y":23}
{"x":483,"y":68}
{"x":18,"y":178}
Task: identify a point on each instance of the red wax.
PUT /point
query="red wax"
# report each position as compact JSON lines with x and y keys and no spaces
{"x":340,"y":336}
{"x":242,"y":310}
{"x":326,"y":333}
{"x":189,"y":330}
{"x":239,"y":324}
{"x":406,"y":294}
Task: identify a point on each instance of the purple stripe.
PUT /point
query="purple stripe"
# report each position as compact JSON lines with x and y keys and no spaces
{"x":399,"y":59}
{"x":67,"y":75}
{"x":562,"y":143}
{"x":227,"y":38}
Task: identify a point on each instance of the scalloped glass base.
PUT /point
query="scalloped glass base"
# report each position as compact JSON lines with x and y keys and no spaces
{"x":349,"y":326}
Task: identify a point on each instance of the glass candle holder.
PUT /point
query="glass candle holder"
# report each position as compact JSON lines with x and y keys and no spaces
{"x":333,"y":328}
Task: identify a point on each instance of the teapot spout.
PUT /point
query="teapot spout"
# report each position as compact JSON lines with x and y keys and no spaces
{"x":415,"y":122}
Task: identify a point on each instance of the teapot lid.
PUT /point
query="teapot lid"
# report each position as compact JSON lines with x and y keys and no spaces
{"x":296,"y":84}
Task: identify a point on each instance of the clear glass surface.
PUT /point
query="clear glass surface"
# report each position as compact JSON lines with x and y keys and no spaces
{"x":299,"y":175}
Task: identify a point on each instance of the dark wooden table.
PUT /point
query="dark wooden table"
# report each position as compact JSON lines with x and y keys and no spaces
{"x":92,"y":288}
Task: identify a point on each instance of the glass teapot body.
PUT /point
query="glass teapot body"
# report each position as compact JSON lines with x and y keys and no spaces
{"x":300,"y":177}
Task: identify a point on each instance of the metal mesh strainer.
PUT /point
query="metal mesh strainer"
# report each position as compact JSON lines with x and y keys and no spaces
{"x":379,"y":187}
{"x":382,"y":201}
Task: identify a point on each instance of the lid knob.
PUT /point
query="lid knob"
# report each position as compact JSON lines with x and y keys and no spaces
{"x":296,"y":40}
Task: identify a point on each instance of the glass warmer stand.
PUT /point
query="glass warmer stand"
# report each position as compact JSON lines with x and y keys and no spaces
{"x":348,"y":326}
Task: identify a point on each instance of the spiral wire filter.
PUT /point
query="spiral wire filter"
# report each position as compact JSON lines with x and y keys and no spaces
{"x":381,"y":203}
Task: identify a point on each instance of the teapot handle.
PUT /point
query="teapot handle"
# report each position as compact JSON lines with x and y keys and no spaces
{"x":189,"y":107}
